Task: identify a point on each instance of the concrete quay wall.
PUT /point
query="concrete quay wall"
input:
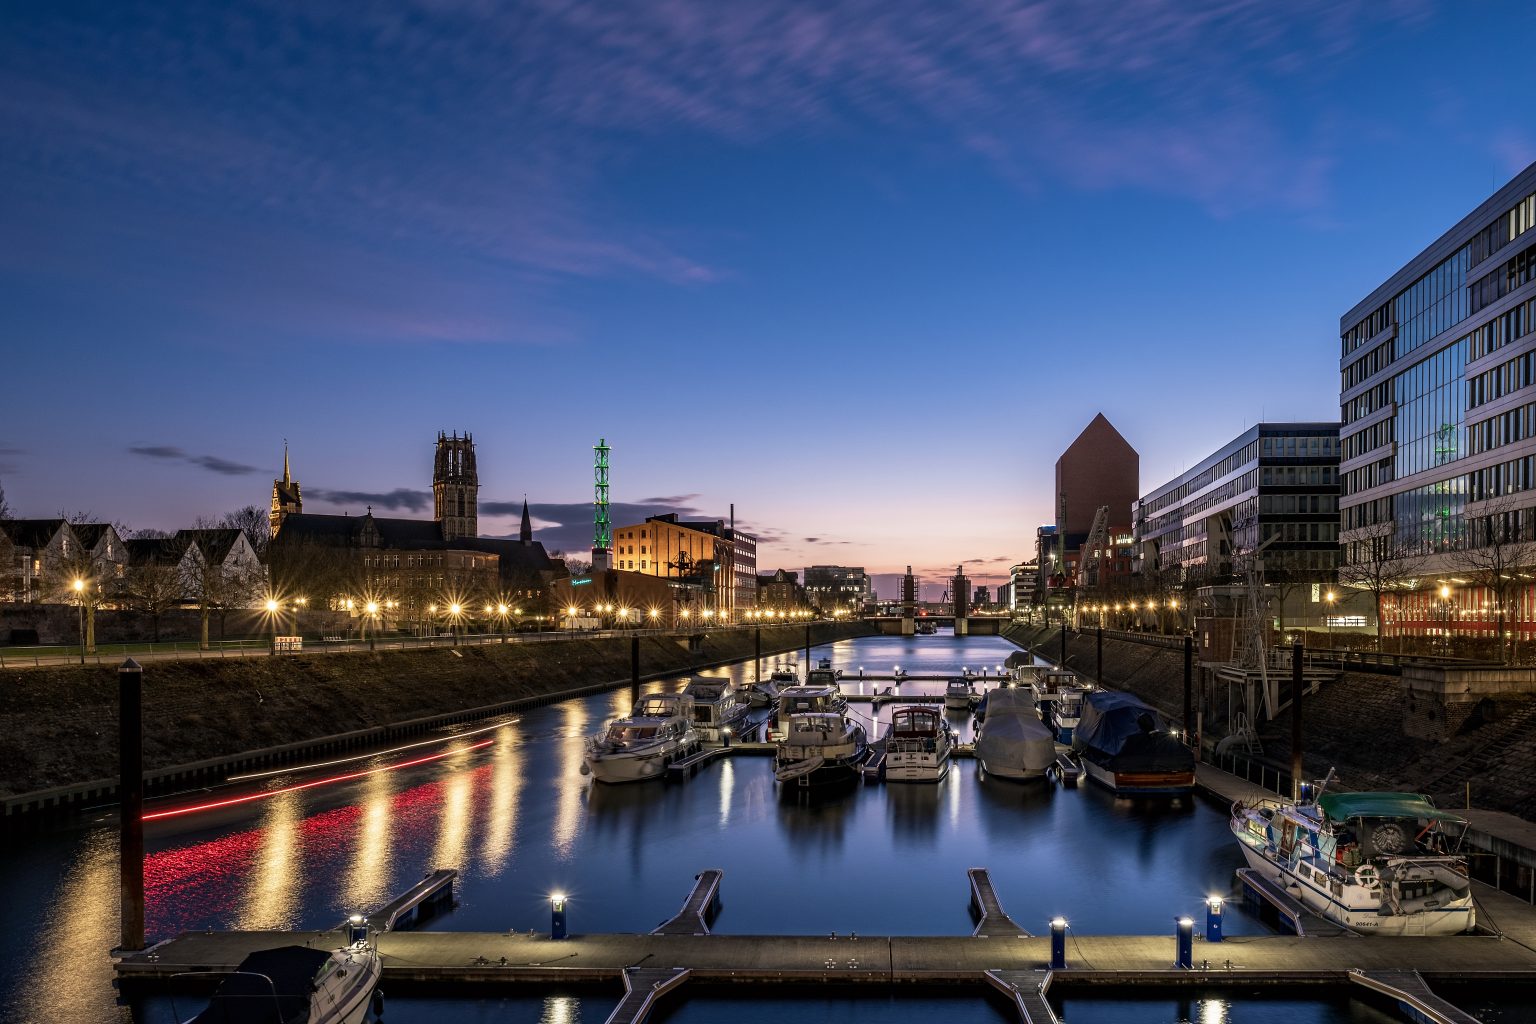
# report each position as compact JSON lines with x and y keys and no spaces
{"x":61,"y":723}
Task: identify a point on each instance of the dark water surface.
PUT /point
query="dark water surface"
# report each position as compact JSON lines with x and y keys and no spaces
{"x":519,"y":821}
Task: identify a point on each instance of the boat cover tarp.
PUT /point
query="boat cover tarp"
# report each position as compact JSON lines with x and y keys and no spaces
{"x":1010,"y":700}
{"x":1343,"y":806}
{"x":1021,"y":742}
{"x":1019,"y":659}
{"x":1111,"y":718}
{"x":245,"y":999}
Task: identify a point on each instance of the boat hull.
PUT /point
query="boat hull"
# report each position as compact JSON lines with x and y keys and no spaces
{"x":1010,"y":771}
{"x":830,"y":771}
{"x":1139,"y":783}
{"x":639,"y":767}
{"x":916,"y":767}
{"x":1367,"y":920}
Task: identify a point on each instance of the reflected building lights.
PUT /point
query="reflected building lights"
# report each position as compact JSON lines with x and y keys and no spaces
{"x":506,"y":790}
{"x":276,"y":883}
{"x":570,"y":784}
{"x":82,"y":922}
{"x":1213,"y":1011}
{"x":367,"y":879}
{"x":561,"y":1010}
{"x":727,"y":790}
{"x":453,"y":835}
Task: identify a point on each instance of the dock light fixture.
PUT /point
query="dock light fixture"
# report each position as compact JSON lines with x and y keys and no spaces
{"x":357,"y":930}
{"x":1213,"y":918}
{"x":557,"y":915}
{"x":1184,"y":943}
{"x":1058,"y":943}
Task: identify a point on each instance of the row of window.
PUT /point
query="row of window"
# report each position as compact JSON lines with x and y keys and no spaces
{"x":1434,"y":303}
{"x":1300,"y":533}
{"x":1298,"y":446}
{"x":1298,"y":476}
{"x":1431,"y":411}
{"x":1297,"y":504}
{"x":1430,"y":519}
{"x":1506,"y":478}
{"x":1502,"y":330}
{"x":1504,"y":230}
{"x":1219,"y":496}
{"x":1368,"y":440}
{"x":1368,"y":328}
{"x":1367,"y":513}
{"x":1519,"y":270}
{"x":1367,"y":402}
{"x":1372,"y":474}
{"x":1506,"y":378}
{"x":1247,"y":453}
{"x":1368,"y":365}
{"x":1506,"y":428}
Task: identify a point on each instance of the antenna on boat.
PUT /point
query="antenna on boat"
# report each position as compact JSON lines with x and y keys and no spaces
{"x":1322,"y":786}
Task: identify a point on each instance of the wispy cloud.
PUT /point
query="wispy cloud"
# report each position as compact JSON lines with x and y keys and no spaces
{"x":212,"y":463}
{"x":399,"y":499}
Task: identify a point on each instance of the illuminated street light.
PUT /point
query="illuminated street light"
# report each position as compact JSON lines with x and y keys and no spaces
{"x":79,"y":586}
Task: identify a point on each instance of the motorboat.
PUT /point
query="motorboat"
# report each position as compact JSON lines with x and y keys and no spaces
{"x":959,"y":692}
{"x":298,"y":985}
{"x":1012,"y":742}
{"x":918,"y":745}
{"x":818,"y":748}
{"x":765,"y":692}
{"x":800,"y":700}
{"x":926,"y":627}
{"x":1125,"y":746}
{"x":824,"y":674}
{"x":1066,"y":711}
{"x":718,"y":709}
{"x":1376,"y":863}
{"x":657,"y":732}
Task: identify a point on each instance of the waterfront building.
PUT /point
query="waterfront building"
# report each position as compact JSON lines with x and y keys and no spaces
{"x":1274,"y":487}
{"x":700,"y":557}
{"x":780,"y":591}
{"x":1098,"y":470}
{"x":836,"y":587}
{"x":416,"y":569}
{"x":1437,"y":397}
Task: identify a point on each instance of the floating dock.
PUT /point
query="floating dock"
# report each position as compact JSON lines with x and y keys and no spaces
{"x":698,"y":908}
{"x":427,"y":898}
{"x":1414,"y":997}
{"x":1026,"y":990}
{"x":991,"y":919}
{"x":642,"y":987}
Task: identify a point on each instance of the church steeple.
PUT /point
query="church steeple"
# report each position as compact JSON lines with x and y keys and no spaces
{"x":456,"y":486}
{"x":526,"y":533}
{"x":286,"y":497}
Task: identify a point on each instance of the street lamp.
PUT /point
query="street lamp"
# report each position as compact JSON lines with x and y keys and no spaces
{"x":79,"y":586}
{"x":1445,"y":619}
{"x":1328,"y":599}
{"x":272,"y":609}
{"x":501,"y":612}
{"x":454,"y":611}
{"x":373,"y":613}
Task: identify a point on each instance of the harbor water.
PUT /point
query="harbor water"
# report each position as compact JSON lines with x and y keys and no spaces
{"x":509,"y":808}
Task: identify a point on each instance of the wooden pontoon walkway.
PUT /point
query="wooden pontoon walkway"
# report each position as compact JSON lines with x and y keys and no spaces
{"x":642,"y":987}
{"x":992,"y":919}
{"x":433,"y":890}
{"x":1416,"y":997}
{"x":693,"y":919}
{"x":1026,"y":990}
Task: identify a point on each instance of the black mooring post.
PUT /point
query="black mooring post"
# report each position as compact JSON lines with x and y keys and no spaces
{"x":1063,"y":643}
{"x":130,"y":783}
{"x":1296,"y":720}
{"x":757,"y":654}
{"x":1189,"y":690}
{"x":634,"y":667}
{"x":1098,"y":676}
{"x":807,"y":646}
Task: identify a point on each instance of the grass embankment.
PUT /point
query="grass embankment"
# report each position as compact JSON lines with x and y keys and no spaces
{"x":1354,"y":724}
{"x":60,"y":724}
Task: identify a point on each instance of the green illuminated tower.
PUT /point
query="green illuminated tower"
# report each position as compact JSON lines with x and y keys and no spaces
{"x":602,"y":532}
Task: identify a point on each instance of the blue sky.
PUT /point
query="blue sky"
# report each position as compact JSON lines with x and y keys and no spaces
{"x":864,"y":269}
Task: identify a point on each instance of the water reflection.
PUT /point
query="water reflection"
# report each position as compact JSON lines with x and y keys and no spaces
{"x":506,"y":788}
{"x":82,"y":920}
{"x":568,"y":782}
{"x":367,"y":880}
{"x":453,"y":832}
{"x":913,"y":808}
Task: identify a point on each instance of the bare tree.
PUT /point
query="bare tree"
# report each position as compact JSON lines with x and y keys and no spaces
{"x":255,"y":523}
{"x":1498,"y":553}
{"x":1382,"y":563}
{"x":217,"y":585}
{"x":5,"y":508}
{"x":154,"y":585}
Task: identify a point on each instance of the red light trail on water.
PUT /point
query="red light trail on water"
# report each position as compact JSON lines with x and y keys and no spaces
{"x":252,"y":797}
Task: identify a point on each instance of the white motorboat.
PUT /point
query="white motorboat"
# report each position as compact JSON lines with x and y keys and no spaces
{"x":824,"y":675}
{"x":1377,"y":863}
{"x":717,"y":708}
{"x":959,"y":693}
{"x":1066,"y":711}
{"x":765,"y":693}
{"x":658,"y":732}
{"x":819,"y":748}
{"x":918,"y":745}
{"x":1012,"y":742}
{"x":298,"y":985}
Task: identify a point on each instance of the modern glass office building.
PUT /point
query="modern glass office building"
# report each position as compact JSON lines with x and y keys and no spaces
{"x":1438,"y":406}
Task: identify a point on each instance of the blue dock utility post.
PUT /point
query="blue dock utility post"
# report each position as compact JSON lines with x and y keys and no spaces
{"x":557,"y":916}
{"x":1058,"y":943}
{"x":1184,"y":945}
{"x":1213,"y":919}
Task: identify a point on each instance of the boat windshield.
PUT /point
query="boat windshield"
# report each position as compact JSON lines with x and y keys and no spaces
{"x":632,"y":733}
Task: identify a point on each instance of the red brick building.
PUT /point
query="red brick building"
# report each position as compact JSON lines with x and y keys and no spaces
{"x":1098,"y":469}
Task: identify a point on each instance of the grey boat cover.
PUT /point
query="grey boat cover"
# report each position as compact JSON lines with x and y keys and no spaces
{"x":245,"y":998}
{"x":1014,"y":737}
{"x":1118,"y":728}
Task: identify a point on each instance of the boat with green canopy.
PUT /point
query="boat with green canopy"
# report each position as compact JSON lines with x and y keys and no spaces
{"x":1376,"y":863}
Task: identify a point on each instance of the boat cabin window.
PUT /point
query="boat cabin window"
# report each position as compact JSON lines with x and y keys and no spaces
{"x":630,"y":733}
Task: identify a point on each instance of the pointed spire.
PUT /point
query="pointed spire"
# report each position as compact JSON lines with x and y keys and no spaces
{"x":287,"y":479}
{"x":526,"y":533}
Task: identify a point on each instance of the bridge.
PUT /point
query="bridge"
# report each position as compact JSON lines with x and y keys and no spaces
{"x":973,"y":625}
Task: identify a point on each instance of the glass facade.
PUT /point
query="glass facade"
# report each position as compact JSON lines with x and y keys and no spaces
{"x":1413,"y":416}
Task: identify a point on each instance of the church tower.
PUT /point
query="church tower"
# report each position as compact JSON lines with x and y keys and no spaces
{"x":456,"y":486}
{"x":285,"y":496}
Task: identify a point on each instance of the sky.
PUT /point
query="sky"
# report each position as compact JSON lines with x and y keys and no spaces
{"x":863,"y":269}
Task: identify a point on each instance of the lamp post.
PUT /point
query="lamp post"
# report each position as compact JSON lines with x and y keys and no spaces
{"x":454,"y":611}
{"x":1328,"y":599}
{"x":373,"y":616}
{"x":1445,"y":620}
{"x":79,"y":586}
{"x":273,"y":608}
{"x":501,"y":613}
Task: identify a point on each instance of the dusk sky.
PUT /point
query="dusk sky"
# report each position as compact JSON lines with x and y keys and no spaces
{"x":862,"y":268}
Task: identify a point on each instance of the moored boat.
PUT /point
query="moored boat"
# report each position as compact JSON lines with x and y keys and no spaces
{"x":824,"y":675}
{"x":918,"y":745}
{"x":1012,"y":742}
{"x":765,"y":693}
{"x":717,"y":708}
{"x":297,"y":985}
{"x":640,"y":746}
{"x":819,"y":748}
{"x":1377,"y":863}
{"x":1066,"y":710}
{"x":1125,"y":746}
{"x":958,"y":692}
